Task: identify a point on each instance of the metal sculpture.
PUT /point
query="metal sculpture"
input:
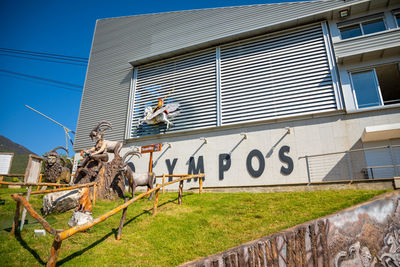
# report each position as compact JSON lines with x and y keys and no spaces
{"x":98,"y":152}
{"x":95,"y":165}
{"x":56,"y":168}
{"x":160,"y":114}
{"x":136,"y":179}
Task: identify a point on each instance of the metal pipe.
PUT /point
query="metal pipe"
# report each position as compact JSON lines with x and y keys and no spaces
{"x":308,"y":170}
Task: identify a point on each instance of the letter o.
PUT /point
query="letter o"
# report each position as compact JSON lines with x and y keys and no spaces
{"x":255,"y":153}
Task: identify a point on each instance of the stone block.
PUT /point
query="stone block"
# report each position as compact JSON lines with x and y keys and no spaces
{"x":397,"y":182}
{"x":61,"y":201}
{"x":79,"y":218}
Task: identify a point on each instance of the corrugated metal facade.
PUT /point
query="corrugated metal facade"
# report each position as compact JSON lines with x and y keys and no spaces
{"x":274,"y":77}
{"x":119,"y":41}
{"x":189,"y":81}
{"x":261,"y":78}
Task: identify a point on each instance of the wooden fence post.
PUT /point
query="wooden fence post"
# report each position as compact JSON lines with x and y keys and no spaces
{"x":200,"y":185}
{"x":24,"y":210}
{"x":94,"y":194}
{"x":163,"y":182}
{"x":40,"y":180}
{"x":121,"y":223}
{"x":180,"y":192}
{"x":156,"y":201}
{"x":16,"y":218}
{"x":55,"y":249}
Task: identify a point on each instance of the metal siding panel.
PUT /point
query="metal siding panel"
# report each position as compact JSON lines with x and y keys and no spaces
{"x":193,"y":81}
{"x":252,"y":89}
{"x":118,"y":41}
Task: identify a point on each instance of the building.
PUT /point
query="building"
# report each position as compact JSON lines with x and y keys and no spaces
{"x":270,"y":94}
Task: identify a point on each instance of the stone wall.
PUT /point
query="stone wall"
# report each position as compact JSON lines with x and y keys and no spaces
{"x":364,"y":235}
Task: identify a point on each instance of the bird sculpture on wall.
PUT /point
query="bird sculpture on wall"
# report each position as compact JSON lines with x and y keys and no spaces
{"x":162,"y":113}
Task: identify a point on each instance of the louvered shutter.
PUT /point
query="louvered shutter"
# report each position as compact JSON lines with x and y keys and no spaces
{"x":279,"y":76}
{"x":190,"y":80}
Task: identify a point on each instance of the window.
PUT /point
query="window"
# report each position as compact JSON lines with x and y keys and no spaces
{"x":398,"y":19}
{"x":362,"y":28}
{"x":377,"y":86}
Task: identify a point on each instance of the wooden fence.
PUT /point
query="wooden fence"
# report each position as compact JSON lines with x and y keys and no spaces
{"x":59,"y":236}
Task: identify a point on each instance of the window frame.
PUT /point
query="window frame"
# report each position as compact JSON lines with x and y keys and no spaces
{"x":375,"y":76}
{"x":369,"y":68}
{"x":395,"y":14}
{"x":359,"y":22}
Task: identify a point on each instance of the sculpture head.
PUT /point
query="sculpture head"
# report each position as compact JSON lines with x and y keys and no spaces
{"x":148,"y":111}
{"x":98,"y":131}
{"x":52,"y":156}
{"x":160,"y":102}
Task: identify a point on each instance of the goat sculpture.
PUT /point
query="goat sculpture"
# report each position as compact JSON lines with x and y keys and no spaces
{"x":136,"y":179}
{"x":56,"y":168}
{"x":99,"y":151}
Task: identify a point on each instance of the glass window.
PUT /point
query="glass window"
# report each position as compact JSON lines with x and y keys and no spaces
{"x":389,"y":83}
{"x":373,"y":26}
{"x":398,"y":20}
{"x":362,"y":28}
{"x":350,"y":31}
{"x":378,"y":86}
{"x":366,"y":89}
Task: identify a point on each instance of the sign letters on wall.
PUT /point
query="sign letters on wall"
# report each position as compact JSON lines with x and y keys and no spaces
{"x":225,"y":162}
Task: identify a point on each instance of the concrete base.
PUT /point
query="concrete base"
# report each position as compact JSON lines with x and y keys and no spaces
{"x":381,"y":184}
{"x":396,"y":182}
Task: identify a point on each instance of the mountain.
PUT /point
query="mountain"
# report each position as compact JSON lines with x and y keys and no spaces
{"x":21,"y":154}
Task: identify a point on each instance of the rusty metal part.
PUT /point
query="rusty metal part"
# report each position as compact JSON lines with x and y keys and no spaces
{"x":84,"y":202}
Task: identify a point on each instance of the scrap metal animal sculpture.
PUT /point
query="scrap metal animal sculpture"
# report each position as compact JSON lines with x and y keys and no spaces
{"x":56,"y":168}
{"x":161,"y":114}
{"x":102,"y":147}
{"x":136,"y":179}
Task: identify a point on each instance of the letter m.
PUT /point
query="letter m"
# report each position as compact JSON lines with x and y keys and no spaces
{"x":196,"y":170}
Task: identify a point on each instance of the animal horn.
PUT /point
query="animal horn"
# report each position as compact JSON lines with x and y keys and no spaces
{"x":134,"y":153}
{"x":59,"y":147}
{"x":105,"y":124}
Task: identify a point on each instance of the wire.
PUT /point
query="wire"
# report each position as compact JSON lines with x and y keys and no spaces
{"x":49,"y":55}
{"x":43,"y":59}
{"x":43,"y":79}
{"x":39,"y":82}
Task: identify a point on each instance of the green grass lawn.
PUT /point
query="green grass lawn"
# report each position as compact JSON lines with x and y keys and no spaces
{"x":201,"y":226}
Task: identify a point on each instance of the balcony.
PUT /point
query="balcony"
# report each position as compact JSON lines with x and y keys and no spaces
{"x":379,"y":42}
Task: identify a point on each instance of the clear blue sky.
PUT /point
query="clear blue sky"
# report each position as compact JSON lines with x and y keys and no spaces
{"x":66,"y":28}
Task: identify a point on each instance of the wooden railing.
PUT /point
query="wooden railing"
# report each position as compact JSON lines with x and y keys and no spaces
{"x":59,"y":236}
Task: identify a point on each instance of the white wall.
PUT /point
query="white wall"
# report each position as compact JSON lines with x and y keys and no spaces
{"x":308,"y":136}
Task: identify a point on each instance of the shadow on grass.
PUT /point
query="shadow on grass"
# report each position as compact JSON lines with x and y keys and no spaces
{"x":114,"y":231}
{"x":148,"y":211}
{"x":28,"y":248}
{"x":80,"y":252}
